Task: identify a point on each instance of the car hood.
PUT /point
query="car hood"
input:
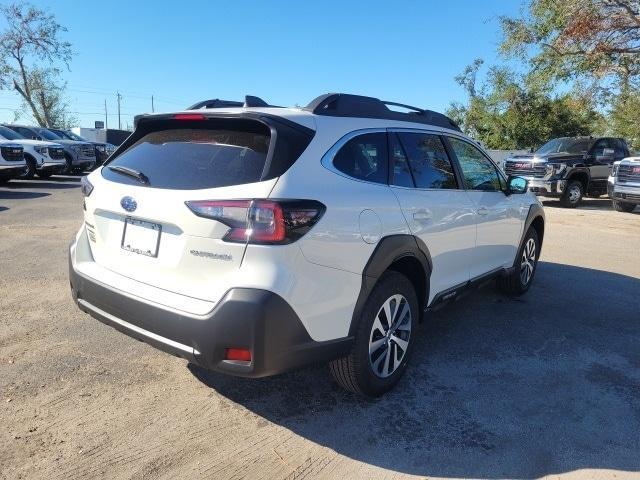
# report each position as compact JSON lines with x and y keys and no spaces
{"x":36,"y":143}
{"x":72,"y":142}
{"x":550,"y":157}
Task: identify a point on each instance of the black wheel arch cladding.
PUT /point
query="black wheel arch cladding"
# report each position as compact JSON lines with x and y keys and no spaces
{"x":393,"y":249}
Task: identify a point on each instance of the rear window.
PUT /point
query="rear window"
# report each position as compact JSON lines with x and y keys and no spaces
{"x":191,"y":158}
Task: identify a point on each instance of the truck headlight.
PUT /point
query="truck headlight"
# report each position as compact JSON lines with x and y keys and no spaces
{"x":614,"y":170}
{"x":41,"y":150}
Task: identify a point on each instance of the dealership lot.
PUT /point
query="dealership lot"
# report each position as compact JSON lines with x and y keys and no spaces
{"x":545,"y":384}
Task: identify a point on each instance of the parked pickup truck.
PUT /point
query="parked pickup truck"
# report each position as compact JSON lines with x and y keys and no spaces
{"x":624,"y":184}
{"x":569,"y":167}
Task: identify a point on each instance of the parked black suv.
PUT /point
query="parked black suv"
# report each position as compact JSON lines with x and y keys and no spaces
{"x":569,"y":167}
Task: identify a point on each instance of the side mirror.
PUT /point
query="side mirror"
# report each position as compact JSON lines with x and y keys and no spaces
{"x":517,"y":185}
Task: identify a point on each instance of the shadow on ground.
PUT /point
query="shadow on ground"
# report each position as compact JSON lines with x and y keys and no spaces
{"x":48,"y":184}
{"x":14,"y":194}
{"x":603,"y":203}
{"x":498,"y":387}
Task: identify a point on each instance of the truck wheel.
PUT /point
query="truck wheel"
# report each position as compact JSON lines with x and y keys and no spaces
{"x":519,"y":281}
{"x":623,"y":206}
{"x":31,"y":168}
{"x":572,"y":196}
{"x":68,"y":165}
{"x":383,"y":340}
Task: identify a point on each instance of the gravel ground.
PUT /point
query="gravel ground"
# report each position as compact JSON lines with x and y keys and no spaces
{"x":546,"y":384}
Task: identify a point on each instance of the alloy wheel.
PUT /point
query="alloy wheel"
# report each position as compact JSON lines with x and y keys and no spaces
{"x":528,"y":262}
{"x":390,"y":335}
{"x":574,"y":193}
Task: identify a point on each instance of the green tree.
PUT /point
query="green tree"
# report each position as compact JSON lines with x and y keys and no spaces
{"x":568,"y":39}
{"x":505,"y":112}
{"x":31,"y":52}
{"x":624,"y":116}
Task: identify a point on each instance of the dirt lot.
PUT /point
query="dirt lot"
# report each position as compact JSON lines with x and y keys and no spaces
{"x":541,"y":385}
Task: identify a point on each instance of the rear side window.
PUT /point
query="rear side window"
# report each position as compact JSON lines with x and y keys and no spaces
{"x":364,"y":157}
{"x":191,"y":158}
{"x":428,"y":160}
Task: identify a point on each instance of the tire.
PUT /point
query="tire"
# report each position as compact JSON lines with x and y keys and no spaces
{"x":572,"y":196}
{"x":68,"y":166}
{"x":374,"y":374}
{"x":623,"y":206}
{"x":31,"y":168}
{"x":519,"y":281}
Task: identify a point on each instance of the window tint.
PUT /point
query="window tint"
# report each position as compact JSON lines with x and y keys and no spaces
{"x":428,"y":160}
{"x":599,"y":146}
{"x":401,"y":173}
{"x":364,"y":157}
{"x":478,"y":172}
{"x":195,"y":158}
{"x":620,"y":148}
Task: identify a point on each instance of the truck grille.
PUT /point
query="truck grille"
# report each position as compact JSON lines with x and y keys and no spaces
{"x":525,"y":169}
{"x":12,"y":153}
{"x":56,"y":153}
{"x":88,"y":151}
{"x":629,"y":173}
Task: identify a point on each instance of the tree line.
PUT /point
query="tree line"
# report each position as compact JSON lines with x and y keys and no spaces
{"x":572,"y":67}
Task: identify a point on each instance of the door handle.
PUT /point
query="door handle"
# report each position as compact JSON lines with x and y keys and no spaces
{"x":422,"y":216}
{"x":482,"y":211}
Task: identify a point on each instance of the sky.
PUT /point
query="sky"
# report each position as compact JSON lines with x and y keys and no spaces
{"x":286,"y":52}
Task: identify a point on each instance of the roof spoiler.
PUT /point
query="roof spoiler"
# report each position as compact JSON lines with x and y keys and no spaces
{"x":249,"y":101}
{"x":347,"y":105}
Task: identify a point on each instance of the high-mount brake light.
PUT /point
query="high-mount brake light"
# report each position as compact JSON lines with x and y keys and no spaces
{"x":189,"y":116}
{"x":266,"y":222}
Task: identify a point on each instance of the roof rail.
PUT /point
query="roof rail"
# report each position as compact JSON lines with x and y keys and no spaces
{"x":249,"y":101}
{"x":347,"y":105}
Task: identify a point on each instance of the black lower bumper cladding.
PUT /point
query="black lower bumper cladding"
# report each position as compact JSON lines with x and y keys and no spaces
{"x":258,"y":320}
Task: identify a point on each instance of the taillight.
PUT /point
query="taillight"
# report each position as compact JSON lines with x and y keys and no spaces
{"x":269,"y":222}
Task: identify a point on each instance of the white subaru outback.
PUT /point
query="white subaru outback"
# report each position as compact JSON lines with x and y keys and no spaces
{"x":251,"y":239}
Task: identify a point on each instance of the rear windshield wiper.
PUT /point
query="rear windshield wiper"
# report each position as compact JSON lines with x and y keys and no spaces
{"x":141,"y":177}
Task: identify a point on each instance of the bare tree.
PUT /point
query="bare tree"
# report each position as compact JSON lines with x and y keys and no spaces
{"x":31,"y":53}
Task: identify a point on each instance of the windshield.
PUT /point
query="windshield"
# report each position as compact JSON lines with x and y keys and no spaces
{"x":44,"y":133}
{"x":565,"y":145}
{"x":9,"y":134}
{"x":73,"y":136}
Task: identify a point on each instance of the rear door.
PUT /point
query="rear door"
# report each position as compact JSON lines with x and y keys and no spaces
{"x":498,"y":216}
{"x":436,"y":209}
{"x":139,"y":223}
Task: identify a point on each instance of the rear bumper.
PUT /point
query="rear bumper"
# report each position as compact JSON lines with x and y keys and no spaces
{"x":244,"y":318}
{"x":547,"y":187}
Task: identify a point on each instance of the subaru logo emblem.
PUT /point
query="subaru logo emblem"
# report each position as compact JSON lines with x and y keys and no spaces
{"x":129,"y":204}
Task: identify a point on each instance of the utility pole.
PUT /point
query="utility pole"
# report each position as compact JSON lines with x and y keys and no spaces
{"x":118,"y":96}
{"x":152,"y":107}
{"x":106,"y":116}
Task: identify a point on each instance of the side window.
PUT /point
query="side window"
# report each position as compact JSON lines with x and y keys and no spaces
{"x":479,"y":173}
{"x":599,"y":146}
{"x":620,"y":148}
{"x":428,"y":160}
{"x":364,"y":157}
{"x":400,"y":167}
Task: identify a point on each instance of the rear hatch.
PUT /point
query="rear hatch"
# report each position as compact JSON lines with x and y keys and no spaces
{"x":138,"y":220}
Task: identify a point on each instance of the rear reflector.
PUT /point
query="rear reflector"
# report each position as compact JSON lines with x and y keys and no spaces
{"x":189,"y":116}
{"x":266,"y":222}
{"x":241,"y":354}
